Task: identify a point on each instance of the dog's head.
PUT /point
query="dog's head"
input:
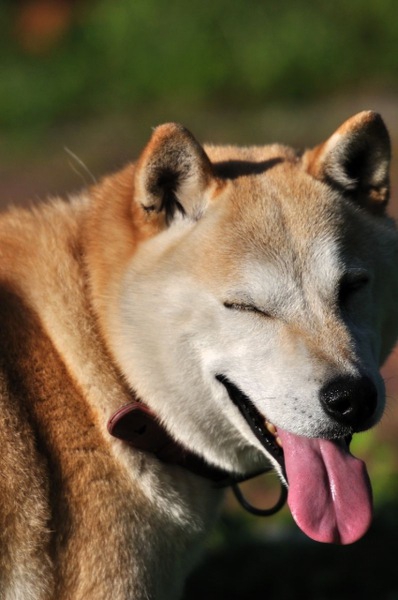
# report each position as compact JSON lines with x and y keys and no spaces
{"x":259,"y":303}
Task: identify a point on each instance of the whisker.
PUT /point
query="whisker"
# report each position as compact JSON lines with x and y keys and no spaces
{"x":81,"y":164}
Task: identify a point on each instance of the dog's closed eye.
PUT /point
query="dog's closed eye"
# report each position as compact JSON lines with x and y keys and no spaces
{"x":247,"y":307}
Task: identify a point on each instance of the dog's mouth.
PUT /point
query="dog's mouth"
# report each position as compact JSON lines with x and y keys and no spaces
{"x":329,"y":490}
{"x":263,"y":429}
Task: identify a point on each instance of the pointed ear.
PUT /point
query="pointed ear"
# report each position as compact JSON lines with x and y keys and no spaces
{"x":356,"y":160}
{"x":173,"y":174}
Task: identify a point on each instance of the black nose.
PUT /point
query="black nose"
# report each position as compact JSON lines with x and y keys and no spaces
{"x":350,"y":400}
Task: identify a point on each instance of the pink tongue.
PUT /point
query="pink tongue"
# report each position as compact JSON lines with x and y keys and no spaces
{"x":329,"y":490}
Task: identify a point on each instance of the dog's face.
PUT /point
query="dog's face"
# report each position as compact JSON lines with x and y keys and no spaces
{"x":267,"y":298}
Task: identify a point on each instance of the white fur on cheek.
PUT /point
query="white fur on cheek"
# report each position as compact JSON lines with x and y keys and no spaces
{"x":162,"y":345}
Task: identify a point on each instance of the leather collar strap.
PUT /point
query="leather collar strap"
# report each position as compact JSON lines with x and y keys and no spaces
{"x":136,"y":424}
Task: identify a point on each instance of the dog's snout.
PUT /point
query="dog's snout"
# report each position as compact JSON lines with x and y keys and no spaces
{"x":350,"y":400}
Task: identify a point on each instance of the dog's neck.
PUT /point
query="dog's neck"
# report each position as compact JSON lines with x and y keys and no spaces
{"x":137,"y":425}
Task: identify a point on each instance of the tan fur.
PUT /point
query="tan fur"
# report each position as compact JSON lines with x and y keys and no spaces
{"x":72,"y":508}
{"x":83,"y":515}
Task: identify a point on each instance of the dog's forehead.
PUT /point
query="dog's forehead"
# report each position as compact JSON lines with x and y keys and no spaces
{"x":276,"y":229}
{"x":283,"y":211}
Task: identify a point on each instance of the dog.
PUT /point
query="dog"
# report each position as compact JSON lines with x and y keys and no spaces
{"x":194,"y":318}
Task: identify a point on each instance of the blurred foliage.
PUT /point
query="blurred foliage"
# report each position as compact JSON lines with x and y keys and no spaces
{"x":102,"y":56}
{"x":292,"y":567}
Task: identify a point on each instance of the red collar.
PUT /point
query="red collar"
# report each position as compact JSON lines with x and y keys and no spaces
{"x":137,"y":425}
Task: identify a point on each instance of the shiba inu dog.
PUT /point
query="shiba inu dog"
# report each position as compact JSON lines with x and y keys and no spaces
{"x":239,"y":302}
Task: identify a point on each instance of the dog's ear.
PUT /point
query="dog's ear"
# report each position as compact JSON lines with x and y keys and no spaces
{"x":356,"y":160}
{"x":173,"y":174}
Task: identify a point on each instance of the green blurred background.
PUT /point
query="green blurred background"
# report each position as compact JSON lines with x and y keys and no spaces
{"x":91,"y":78}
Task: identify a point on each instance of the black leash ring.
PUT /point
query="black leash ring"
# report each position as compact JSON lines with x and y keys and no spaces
{"x":260,"y":512}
